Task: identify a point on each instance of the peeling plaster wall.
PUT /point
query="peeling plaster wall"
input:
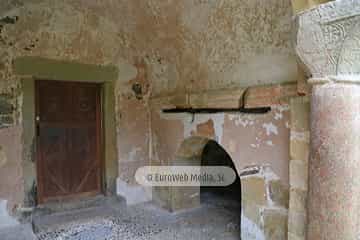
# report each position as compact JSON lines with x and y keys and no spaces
{"x":188,"y":45}
{"x":249,"y":139}
{"x":257,"y":144}
{"x":11,"y":180}
{"x":160,"y":48}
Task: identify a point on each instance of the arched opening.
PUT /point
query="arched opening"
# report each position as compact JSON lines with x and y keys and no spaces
{"x":228,"y":197}
{"x":214,"y":155}
{"x":221,"y":203}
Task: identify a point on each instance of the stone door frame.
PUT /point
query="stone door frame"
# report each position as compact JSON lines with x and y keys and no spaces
{"x":30,"y":69}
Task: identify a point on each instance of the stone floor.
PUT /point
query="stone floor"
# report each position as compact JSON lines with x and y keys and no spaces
{"x":217,"y":218}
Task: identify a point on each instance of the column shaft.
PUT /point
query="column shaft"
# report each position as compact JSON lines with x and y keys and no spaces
{"x":334,"y":167}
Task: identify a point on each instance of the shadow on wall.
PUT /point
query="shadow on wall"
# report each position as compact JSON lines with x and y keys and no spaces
{"x":214,"y":155}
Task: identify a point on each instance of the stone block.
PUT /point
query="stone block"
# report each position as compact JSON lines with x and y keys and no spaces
{"x":298,"y":200}
{"x":263,"y":96}
{"x":279,"y":193}
{"x":252,"y":212}
{"x":300,"y":112}
{"x":298,"y":174}
{"x":292,"y":236}
{"x":297,"y":224}
{"x":254,"y":190}
{"x":217,"y":99}
{"x":192,"y":147}
{"x":251,"y":230}
{"x":275,"y":224}
{"x":299,"y":150}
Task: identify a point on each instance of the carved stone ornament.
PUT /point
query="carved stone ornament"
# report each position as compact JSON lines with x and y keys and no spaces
{"x":328,"y":41}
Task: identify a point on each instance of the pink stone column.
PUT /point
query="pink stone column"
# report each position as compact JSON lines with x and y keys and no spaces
{"x":334,"y":167}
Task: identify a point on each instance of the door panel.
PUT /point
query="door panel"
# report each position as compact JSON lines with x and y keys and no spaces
{"x":68,"y":123}
{"x":54,"y":150}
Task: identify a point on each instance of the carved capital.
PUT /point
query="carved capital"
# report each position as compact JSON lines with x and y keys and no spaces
{"x":328,"y":41}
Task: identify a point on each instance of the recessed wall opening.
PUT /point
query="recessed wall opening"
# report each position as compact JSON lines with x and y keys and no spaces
{"x":227,"y":198}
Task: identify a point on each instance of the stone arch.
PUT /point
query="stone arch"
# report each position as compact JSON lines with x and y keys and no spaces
{"x":190,"y":153}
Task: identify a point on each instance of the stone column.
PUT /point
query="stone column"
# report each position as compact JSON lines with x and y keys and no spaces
{"x":334,"y":167}
{"x":328,"y":43}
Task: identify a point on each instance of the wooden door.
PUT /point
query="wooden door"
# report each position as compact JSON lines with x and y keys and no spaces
{"x":68,"y":139}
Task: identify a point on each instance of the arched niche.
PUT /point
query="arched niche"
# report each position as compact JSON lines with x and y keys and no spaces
{"x":190,"y":153}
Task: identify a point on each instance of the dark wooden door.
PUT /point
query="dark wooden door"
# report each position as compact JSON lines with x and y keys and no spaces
{"x":68,"y":139}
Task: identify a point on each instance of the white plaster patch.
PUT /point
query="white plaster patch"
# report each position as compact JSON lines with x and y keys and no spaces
{"x":126,"y":72}
{"x":270,"y":129}
{"x":250,"y":230}
{"x":268,"y":173}
{"x":257,"y":143}
{"x":242,"y":119}
{"x":253,"y":145}
{"x":133,"y":194}
{"x":269,"y":143}
{"x":5,"y":219}
{"x":279,"y":111}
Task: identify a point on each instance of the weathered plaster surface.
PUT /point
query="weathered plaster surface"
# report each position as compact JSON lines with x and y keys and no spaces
{"x":218,"y":50}
{"x":11,"y":176}
{"x":249,"y":139}
{"x":252,"y":140}
{"x":162,"y":48}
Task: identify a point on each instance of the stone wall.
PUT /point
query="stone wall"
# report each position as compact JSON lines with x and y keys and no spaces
{"x":264,"y":205}
{"x":299,"y":157}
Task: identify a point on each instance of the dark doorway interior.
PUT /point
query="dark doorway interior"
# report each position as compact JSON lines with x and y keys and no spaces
{"x":68,"y":125}
{"x":228,"y":197}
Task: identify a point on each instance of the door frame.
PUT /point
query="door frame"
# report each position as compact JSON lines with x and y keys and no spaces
{"x":29,"y":69}
{"x":99,"y":145}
